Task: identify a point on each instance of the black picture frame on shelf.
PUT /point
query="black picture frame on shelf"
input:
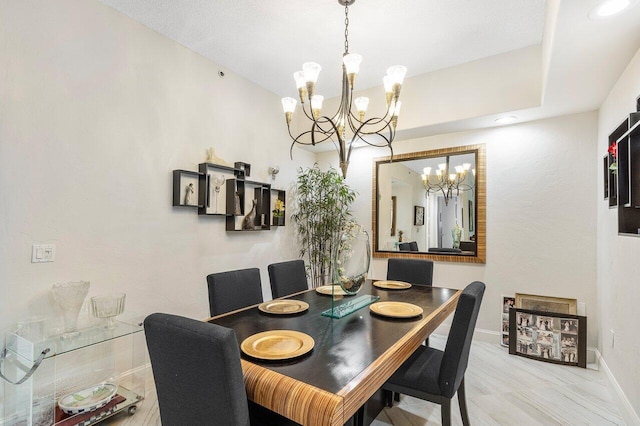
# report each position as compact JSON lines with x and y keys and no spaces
{"x":548,"y":336}
{"x":605,"y":165}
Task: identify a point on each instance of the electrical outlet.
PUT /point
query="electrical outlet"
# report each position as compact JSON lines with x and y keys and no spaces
{"x":613,"y":339}
{"x":43,"y":253}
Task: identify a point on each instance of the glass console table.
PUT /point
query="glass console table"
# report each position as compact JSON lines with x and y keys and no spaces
{"x":68,"y":365}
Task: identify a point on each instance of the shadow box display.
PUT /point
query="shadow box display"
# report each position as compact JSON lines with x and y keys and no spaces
{"x":548,"y":336}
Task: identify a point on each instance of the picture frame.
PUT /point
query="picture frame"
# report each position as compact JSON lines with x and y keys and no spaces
{"x":559,"y":305}
{"x":507,"y":302}
{"x":548,"y":336}
{"x":606,"y":176}
{"x":418,"y":215}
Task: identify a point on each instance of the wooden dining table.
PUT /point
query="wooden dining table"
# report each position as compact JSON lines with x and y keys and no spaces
{"x":351,"y":359}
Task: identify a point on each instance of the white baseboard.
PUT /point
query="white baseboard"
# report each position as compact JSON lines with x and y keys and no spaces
{"x":629,"y":415}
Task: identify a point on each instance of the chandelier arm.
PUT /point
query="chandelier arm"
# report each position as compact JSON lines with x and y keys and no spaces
{"x":330,"y":121}
{"x":326,"y":120}
{"x":372,"y":122}
{"x":308,"y":114}
{"x":298,"y":141}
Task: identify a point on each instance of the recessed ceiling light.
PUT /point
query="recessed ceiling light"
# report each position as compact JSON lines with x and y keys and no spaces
{"x":507,"y":119}
{"x":610,"y":7}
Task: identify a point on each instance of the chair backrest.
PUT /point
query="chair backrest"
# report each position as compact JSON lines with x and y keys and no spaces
{"x":404,"y":247}
{"x":413,"y":246}
{"x":287,"y":278}
{"x":233,"y":290}
{"x":456,"y":352}
{"x":197,"y":372}
{"x":414,"y":271}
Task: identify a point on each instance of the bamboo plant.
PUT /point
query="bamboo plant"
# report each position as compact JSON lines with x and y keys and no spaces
{"x":323,"y":210}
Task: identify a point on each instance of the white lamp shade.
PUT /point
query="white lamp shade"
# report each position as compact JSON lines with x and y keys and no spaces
{"x":298,"y":76}
{"x":352,"y":62}
{"x":388,"y":85}
{"x":316,"y":101}
{"x":311,"y":71}
{"x":362,"y":103}
{"x":426,"y":171}
{"x":396,"y":74}
{"x":288,"y":104}
{"x":442,"y":166}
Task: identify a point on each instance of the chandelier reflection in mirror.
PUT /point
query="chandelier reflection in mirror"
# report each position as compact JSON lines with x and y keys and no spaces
{"x":345,"y":128}
{"x":442,"y":181}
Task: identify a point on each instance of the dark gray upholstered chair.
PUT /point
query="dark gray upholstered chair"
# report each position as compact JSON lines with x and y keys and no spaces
{"x":233,"y":290}
{"x":404,"y":247}
{"x":198,"y":376}
{"x":197,"y":372}
{"x":434,"y":375}
{"x":413,"y":246}
{"x":414,"y":271}
{"x":287,"y":278}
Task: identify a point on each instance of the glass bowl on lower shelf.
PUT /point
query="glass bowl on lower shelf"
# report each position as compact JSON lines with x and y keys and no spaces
{"x":108,"y":306}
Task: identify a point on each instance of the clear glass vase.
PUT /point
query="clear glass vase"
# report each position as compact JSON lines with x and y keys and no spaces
{"x":70,"y":297}
{"x":351,"y":259}
{"x":108,"y":306}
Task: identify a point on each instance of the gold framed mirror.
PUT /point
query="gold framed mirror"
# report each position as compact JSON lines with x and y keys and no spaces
{"x":448,"y":187}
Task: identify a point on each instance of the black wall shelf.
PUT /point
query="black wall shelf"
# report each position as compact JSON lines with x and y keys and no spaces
{"x":236,"y":200}
{"x":181,"y":180}
{"x":623,"y":187}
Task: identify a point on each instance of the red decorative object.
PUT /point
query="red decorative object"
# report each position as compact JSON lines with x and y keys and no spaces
{"x":613,"y":150}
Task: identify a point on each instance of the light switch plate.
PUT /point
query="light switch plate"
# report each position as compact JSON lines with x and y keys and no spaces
{"x":43,"y":253}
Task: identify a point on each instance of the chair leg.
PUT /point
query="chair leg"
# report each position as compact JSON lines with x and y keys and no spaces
{"x":462,"y":401}
{"x":445,"y":408}
{"x":388,"y":397}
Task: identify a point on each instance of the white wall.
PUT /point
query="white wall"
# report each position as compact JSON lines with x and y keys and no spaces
{"x":540,"y":213}
{"x":96,"y":111}
{"x":618,"y":266}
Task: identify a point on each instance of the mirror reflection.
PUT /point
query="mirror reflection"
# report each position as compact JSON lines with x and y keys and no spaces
{"x":427,"y":204}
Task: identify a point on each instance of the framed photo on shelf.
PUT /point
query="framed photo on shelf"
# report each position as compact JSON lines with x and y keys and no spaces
{"x":418,"y":215}
{"x":548,"y":336}
{"x":547,"y":304}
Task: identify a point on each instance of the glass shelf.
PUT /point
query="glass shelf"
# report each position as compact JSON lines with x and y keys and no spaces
{"x":59,"y":345}
{"x":94,"y":355}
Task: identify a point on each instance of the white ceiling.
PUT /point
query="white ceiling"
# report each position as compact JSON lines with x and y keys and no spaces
{"x":266,"y":41}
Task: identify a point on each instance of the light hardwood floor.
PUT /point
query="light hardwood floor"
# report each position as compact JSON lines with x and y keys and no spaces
{"x":502,"y":389}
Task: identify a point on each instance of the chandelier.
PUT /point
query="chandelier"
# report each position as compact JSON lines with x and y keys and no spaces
{"x":442,"y":181}
{"x":345,"y":128}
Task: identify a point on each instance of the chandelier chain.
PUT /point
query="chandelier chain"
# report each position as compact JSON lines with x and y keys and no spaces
{"x":346,"y":29}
